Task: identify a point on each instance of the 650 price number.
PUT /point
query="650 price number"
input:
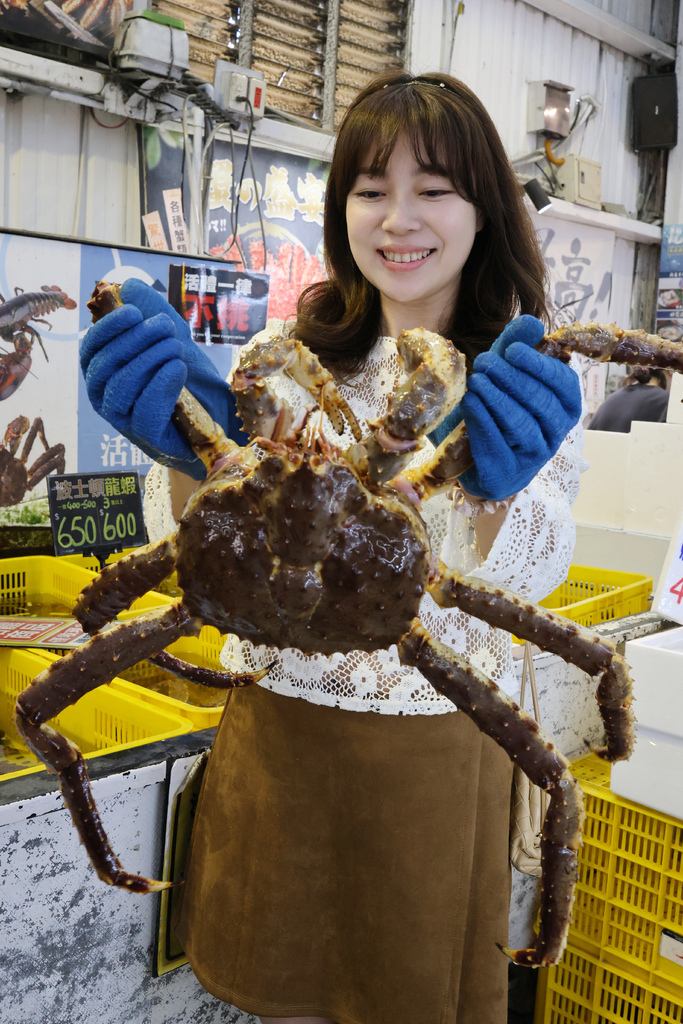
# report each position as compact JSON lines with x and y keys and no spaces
{"x":80,"y":531}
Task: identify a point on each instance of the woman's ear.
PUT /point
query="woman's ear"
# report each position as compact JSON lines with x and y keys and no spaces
{"x":481,"y":218}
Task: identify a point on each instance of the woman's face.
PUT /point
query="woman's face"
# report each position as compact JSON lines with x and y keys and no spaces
{"x":410,"y":234}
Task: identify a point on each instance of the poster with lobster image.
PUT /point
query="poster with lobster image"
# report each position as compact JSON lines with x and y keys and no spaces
{"x":39,"y":327}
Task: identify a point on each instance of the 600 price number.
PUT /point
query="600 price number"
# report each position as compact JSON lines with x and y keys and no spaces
{"x":78,"y":531}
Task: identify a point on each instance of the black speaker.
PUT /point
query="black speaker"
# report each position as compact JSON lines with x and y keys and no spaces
{"x":655,"y":112}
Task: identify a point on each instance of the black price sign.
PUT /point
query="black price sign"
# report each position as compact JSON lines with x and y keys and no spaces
{"x":95,"y":513}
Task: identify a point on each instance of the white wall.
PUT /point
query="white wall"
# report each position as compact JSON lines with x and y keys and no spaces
{"x":51,"y":147}
{"x":501,"y":45}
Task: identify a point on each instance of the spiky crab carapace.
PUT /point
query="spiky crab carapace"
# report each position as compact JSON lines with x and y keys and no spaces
{"x":312,"y":547}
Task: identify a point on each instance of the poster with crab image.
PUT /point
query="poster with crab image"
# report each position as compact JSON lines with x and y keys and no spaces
{"x":285,"y":241}
{"x":39,"y":324}
{"x":88,"y":25}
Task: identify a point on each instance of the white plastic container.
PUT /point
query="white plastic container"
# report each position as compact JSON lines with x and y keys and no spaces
{"x":149,"y":43}
{"x":654,"y":774}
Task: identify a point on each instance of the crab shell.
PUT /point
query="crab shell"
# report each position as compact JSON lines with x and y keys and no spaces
{"x":272,"y":552}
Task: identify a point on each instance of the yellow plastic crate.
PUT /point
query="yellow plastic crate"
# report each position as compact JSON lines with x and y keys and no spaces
{"x":583,"y":990}
{"x":91,"y":563}
{"x":202,"y":650}
{"x":24,"y":578}
{"x":630,"y":881}
{"x":102,"y":721}
{"x":40,"y":577}
{"x":590,"y":596}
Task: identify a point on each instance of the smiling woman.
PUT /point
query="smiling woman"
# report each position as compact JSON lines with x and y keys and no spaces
{"x":349,"y":857}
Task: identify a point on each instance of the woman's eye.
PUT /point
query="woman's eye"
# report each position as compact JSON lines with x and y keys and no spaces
{"x":436,"y":192}
{"x":369,"y":193}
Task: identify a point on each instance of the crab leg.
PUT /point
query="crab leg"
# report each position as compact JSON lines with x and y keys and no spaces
{"x":207,"y":676}
{"x":259,"y":408}
{"x":521,"y":737}
{"x":607,"y":343}
{"x":61,"y":685}
{"x":602,"y":342}
{"x":574,"y":643}
{"x":436,"y":383}
{"x":117,"y":585}
{"x":206,"y":437}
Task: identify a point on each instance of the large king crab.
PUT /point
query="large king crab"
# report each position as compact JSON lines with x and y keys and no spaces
{"x":309,"y":547}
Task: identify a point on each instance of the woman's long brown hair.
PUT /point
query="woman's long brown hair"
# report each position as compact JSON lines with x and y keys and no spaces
{"x":452,"y":133}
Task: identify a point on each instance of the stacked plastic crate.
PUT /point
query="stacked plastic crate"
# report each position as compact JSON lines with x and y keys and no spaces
{"x":624,"y":958}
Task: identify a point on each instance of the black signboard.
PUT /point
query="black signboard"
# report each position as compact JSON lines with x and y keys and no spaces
{"x":221,"y":305}
{"x":96,"y":513}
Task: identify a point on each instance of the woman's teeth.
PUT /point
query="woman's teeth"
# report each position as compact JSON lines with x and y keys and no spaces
{"x":406,"y":257}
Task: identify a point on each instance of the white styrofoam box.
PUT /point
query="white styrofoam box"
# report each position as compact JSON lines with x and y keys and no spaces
{"x":600,"y":501}
{"x":654,"y":774}
{"x":657,"y":668}
{"x":654,"y":487}
{"x":674,"y":413}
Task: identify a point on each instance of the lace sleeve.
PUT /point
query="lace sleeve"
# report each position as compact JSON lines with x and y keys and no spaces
{"x":156,"y":504}
{"x":533,"y":550}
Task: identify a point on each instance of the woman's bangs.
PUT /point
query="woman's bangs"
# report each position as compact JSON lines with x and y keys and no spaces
{"x":371,"y":144}
{"x":436,"y":149}
{"x":441,"y":142}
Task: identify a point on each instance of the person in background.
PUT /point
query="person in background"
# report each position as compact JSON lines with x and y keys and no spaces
{"x":643,"y":395}
{"x":350,"y":853}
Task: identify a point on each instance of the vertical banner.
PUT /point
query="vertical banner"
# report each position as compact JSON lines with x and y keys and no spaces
{"x":670,"y":290}
{"x":579,"y":260}
{"x":154,"y":230}
{"x":173,"y":201}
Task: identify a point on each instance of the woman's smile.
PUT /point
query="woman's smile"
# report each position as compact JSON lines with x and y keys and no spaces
{"x":401,"y":260}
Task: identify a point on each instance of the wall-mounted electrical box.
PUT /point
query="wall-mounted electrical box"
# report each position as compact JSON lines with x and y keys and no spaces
{"x":548,"y":108}
{"x":150,"y":43}
{"x":580,"y":181}
{"x":234,"y":85}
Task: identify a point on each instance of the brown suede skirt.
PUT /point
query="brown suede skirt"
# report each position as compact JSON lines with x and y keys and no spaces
{"x":350,"y":866}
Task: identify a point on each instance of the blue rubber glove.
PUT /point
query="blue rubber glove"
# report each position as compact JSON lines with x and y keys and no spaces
{"x":518,"y":408}
{"x":135,"y":361}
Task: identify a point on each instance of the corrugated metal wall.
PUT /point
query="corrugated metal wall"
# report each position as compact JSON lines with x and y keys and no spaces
{"x":61,"y":173}
{"x":637,"y":13}
{"x":501,"y":45}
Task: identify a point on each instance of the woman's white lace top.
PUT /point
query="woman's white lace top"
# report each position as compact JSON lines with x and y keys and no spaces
{"x":531,"y":555}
